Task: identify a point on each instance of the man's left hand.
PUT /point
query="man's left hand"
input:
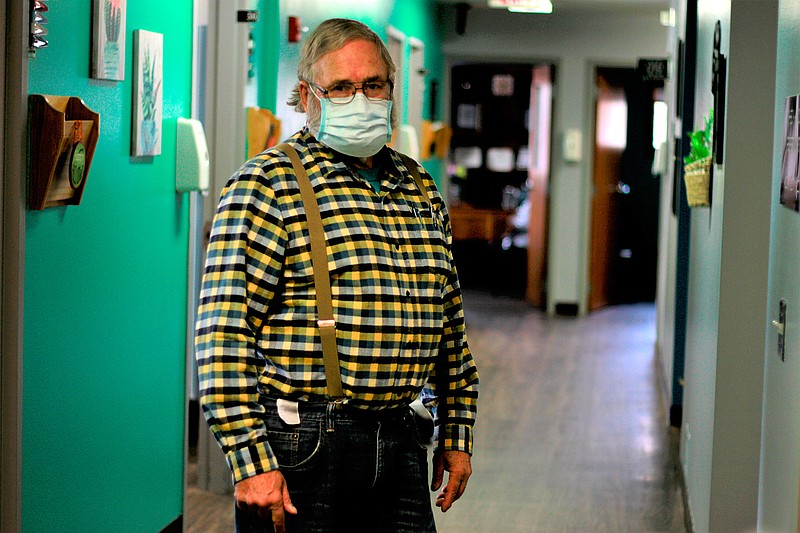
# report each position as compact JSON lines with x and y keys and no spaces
{"x":459,"y":466}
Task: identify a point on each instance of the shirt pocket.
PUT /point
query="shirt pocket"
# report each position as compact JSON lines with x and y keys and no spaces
{"x":427,"y":238}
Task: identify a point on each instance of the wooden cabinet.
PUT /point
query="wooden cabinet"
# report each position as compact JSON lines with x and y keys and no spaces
{"x":470,"y":223}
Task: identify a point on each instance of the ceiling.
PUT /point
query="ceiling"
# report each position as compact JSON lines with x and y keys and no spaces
{"x":585,"y":6}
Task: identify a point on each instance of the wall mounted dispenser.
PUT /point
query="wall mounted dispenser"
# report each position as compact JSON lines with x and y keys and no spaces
{"x":192,"y":162}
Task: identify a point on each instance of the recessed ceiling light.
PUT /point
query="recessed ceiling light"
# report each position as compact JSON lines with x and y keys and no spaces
{"x":523,"y":6}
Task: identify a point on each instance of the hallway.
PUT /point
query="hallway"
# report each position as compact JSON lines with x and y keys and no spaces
{"x":571,"y":437}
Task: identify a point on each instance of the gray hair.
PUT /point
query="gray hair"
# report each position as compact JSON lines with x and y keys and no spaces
{"x":329,"y":36}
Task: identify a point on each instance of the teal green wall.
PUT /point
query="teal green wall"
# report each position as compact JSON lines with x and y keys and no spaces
{"x":418,"y":18}
{"x":267,"y":51}
{"x":105,"y":302}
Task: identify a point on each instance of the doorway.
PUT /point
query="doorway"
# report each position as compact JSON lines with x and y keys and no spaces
{"x":499,"y":171}
{"x":221,"y":90}
{"x":624,"y":227}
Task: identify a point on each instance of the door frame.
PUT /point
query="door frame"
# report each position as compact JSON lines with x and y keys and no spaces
{"x":396,"y":43}
{"x":540,"y":147}
{"x":14,"y":87}
{"x":534,"y":62}
{"x":416,"y":84}
{"x":603,"y":221}
{"x":222,"y":111}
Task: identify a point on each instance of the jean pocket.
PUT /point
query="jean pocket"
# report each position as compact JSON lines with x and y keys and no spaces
{"x":296,"y":448}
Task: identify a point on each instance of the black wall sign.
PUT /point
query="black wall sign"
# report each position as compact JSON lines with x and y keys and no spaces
{"x":247,"y":16}
{"x":653,"y":69}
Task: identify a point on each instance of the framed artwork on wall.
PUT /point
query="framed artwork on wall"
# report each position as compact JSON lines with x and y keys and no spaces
{"x":790,"y":164}
{"x":108,"y":39}
{"x":147,"y":94}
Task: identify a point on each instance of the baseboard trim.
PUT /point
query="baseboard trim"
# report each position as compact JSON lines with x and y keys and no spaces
{"x":566,"y":309}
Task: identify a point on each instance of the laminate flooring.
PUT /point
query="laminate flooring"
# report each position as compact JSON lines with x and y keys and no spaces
{"x":572,"y":435}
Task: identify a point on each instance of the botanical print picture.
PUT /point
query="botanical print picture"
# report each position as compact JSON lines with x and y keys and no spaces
{"x":108,"y":40}
{"x":147,"y":97}
{"x":790,"y":170}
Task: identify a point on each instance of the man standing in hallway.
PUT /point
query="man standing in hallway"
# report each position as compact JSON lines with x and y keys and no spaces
{"x":304,"y":459}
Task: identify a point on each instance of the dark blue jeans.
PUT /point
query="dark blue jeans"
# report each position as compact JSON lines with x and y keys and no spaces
{"x":348,"y":471}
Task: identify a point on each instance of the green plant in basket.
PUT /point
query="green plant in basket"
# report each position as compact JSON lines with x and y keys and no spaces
{"x":698,"y":165}
{"x":701,"y":141}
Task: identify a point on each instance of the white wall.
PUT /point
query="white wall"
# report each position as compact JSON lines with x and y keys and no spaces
{"x":575,"y":44}
{"x":781,"y":427}
{"x":668,"y":222}
{"x":727,"y":304}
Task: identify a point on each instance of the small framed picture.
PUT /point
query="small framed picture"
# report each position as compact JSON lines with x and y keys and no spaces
{"x":108,"y":40}
{"x":790,"y":164}
{"x":148,"y":74}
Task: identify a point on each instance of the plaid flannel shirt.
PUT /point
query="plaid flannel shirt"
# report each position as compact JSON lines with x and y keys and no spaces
{"x":397,"y":301}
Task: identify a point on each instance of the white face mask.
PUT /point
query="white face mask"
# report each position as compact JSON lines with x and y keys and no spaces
{"x":359,"y":128}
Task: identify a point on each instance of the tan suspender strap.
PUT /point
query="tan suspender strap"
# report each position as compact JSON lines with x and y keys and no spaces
{"x":412,"y":167}
{"x":322,"y":281}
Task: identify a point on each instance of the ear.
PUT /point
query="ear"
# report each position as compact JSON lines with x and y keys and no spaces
{"x":302,"y":88}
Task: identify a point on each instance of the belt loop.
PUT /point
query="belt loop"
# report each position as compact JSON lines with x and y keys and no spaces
{"x":329,"y":416}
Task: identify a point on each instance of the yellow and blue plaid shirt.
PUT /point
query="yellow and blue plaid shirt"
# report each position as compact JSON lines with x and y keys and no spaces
{"x":396,"y":297}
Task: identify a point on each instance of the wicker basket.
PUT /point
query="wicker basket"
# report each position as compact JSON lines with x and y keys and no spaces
{"x":697,"y":176}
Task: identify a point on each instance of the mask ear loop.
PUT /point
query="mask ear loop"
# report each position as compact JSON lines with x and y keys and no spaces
{"x":389,"y":121}
{"x":322,"y":106}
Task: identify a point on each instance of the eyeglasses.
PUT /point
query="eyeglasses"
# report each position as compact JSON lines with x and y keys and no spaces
{"x":345,"y":92}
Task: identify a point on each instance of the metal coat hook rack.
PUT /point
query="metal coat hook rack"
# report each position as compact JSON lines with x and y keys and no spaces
{"x":38,"y":32}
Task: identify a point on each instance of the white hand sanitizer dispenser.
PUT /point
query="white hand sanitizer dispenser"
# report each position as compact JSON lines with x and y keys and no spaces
{"x":192,"y":162}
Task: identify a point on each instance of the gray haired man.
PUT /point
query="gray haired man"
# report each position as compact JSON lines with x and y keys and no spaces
{"x":303,"y":460}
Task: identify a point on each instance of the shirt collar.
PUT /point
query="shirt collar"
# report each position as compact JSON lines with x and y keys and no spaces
{"x":330,"y":161}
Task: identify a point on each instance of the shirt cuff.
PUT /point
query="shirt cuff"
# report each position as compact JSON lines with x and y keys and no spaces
{"x":456,"y":437}
{"x":251,"y":461}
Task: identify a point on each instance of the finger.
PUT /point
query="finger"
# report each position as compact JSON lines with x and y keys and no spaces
{"x":278,"y":519}
{"x":445,"y":499}
{"x":461,"y":486}
{"x":456,"y":485}
{"x":288,"y":506}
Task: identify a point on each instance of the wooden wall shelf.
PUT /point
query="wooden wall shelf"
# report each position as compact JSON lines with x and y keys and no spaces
{"x":57,"y":123}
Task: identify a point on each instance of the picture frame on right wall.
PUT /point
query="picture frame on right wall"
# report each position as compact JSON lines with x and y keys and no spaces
{"x":790,"y":163}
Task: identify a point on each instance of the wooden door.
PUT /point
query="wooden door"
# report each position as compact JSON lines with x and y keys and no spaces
{"x":538,"y":178}
{"x":609,"y":144}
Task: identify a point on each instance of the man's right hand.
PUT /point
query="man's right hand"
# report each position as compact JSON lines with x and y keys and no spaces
{"x":266,"y":494}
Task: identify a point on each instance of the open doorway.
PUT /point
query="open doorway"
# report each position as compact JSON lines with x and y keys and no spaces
{"x":395,"y":42}
{"x":221,"y":92}
{"x":624,"y":230}
{"x":499,"y":171}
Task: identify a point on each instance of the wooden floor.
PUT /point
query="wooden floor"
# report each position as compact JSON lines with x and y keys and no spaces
{"x":572,"y":436}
